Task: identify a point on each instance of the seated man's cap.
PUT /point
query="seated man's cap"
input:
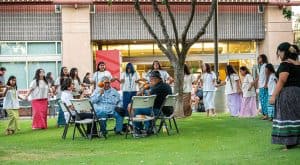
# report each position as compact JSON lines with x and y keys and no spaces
{"x":105,"y":79}
{"x":155,"y":74}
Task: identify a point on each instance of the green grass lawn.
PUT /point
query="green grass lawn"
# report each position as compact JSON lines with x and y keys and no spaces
{"x":202,"y":140}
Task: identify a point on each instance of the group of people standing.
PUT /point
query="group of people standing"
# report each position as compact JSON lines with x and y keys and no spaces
{"x":280,"y":88}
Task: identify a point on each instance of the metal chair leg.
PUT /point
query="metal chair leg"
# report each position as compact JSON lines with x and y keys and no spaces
{"x":65,"y":131}
{"x":167,"y":129}
{"x":160,"y":125}
{"x":175,"y":125}
{"x":170,"y":123}
{"x":74,"y":132}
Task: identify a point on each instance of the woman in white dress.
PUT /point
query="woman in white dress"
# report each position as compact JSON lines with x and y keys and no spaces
{"x":208,"y":79}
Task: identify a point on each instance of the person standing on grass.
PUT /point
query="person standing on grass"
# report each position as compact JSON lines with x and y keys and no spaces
{"x":233,"y":91}
{"x":77,"y":83}
{"x":100,"y":73}
{"x":38,"y":91}
{"x":11,"y":105}
{"x":248,"y":106}
{"x":272,"y":80}
{"x":64,"y":74}
{"x":2,"y":86}
{"x":286,"y":122}
{"x":262,"y":85}
{"x":187,"y":90}
{"x":129,"y":82}
{"x":208,"y":79}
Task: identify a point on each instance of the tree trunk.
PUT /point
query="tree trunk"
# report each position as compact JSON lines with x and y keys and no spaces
{"x":178,"y":88}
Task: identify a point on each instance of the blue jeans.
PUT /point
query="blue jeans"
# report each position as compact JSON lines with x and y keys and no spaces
{"x":105,"y":115}
{"x":144,"y":111}
{"x":127,"y":96}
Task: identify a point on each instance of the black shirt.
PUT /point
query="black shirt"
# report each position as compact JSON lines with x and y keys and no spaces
{"x":161,"y":90}
{"x":294,"y":74}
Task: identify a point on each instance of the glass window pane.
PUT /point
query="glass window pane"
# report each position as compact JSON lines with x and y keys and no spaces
{"x":41,"y":48}
{"x":16,"y":69}
{"x":122,"y":48}
{"x":47,"y":66}
{"x":58,"y":47}
{"x":234,"y":47}
{"x":197,"y":48}
{"x":12,"y":48}
{"x":141,"y":50}
{"x":208,"y":48}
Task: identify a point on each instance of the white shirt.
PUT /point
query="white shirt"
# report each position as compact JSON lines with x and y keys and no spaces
{"x":245,"y":86}
{"x":272,"y":84}
{"x":129,"y":84}
{"x":163,"y":74}
{"x":262,"y":76}
{"x":66,"y":96}
{"x":209,"y":81}
{"x":39,"y":92}
{"x":98,"y":76}
{"x":231,"y":84}
{"x":11,"y":100}
{"x":77,"y":87}
{"x":188,"y":82}
{"x":58,"y":90}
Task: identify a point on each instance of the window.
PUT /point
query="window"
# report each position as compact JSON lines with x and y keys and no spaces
{"x":12,"y":48}
{"x":17,"y":69}
{"x":141,"y":50}
{"x":122,"y":48}
{"x":24,"y":68}
{"x":41,"y":48}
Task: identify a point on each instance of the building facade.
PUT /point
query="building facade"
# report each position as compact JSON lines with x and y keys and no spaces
{"x":51,"y":33}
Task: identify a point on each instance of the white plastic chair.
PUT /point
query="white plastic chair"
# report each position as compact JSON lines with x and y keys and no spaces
{"x":170,"y":101}
{"x":142,"y":102}
{"x":84,"y":106}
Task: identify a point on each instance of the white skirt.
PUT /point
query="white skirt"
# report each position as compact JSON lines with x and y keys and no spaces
{"x":209,"y":99}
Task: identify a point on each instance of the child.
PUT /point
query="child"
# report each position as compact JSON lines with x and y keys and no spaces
{"x":248,"y":107}
{"x":270,"y":72}
{"x":208,"y":79}
{"x":11,"y":104}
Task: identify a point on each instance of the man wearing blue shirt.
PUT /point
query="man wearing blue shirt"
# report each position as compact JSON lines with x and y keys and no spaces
{"x":105,"y":100}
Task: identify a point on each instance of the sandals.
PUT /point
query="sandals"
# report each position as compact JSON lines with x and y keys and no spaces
{"x":9,"y":132}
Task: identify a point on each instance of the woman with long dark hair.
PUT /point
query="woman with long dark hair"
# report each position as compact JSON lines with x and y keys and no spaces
{"x":100,"y":73}
{"x":208,"y":79}
{"x":187,"y":89}
{"x":129,"y":82}
{"x":263,"y":85}
{"x":286,"y":122}
{"x":163,"y":73}
{"x":233,"y":91}
{"x":248,"y":106}
{"x":64,"y":74}
{"x":76,"y":81}
{"x":38,"y":91}
{"x":11,"y":105}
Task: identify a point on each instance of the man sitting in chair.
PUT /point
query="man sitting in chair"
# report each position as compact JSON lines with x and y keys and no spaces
{"x":105,"y":101}
{"x":161,"y":90}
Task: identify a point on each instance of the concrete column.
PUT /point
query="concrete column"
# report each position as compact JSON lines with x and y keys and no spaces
{"x":76,"y":39}
{"x":277,"y":29}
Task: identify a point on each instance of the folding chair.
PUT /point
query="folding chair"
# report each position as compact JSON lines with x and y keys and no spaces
{"x":142,"y":102}
{"x":71,"y":120}
{"x":84,"y":105}
{"x":169,"y":101}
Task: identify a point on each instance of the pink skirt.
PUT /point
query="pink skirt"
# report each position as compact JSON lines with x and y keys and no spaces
{"x":248,"y":107}
{"x":234,"y":103}
{"x":39,"y":116}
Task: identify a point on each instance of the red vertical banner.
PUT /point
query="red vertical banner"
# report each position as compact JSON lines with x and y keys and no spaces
{"x":112,"y":59}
